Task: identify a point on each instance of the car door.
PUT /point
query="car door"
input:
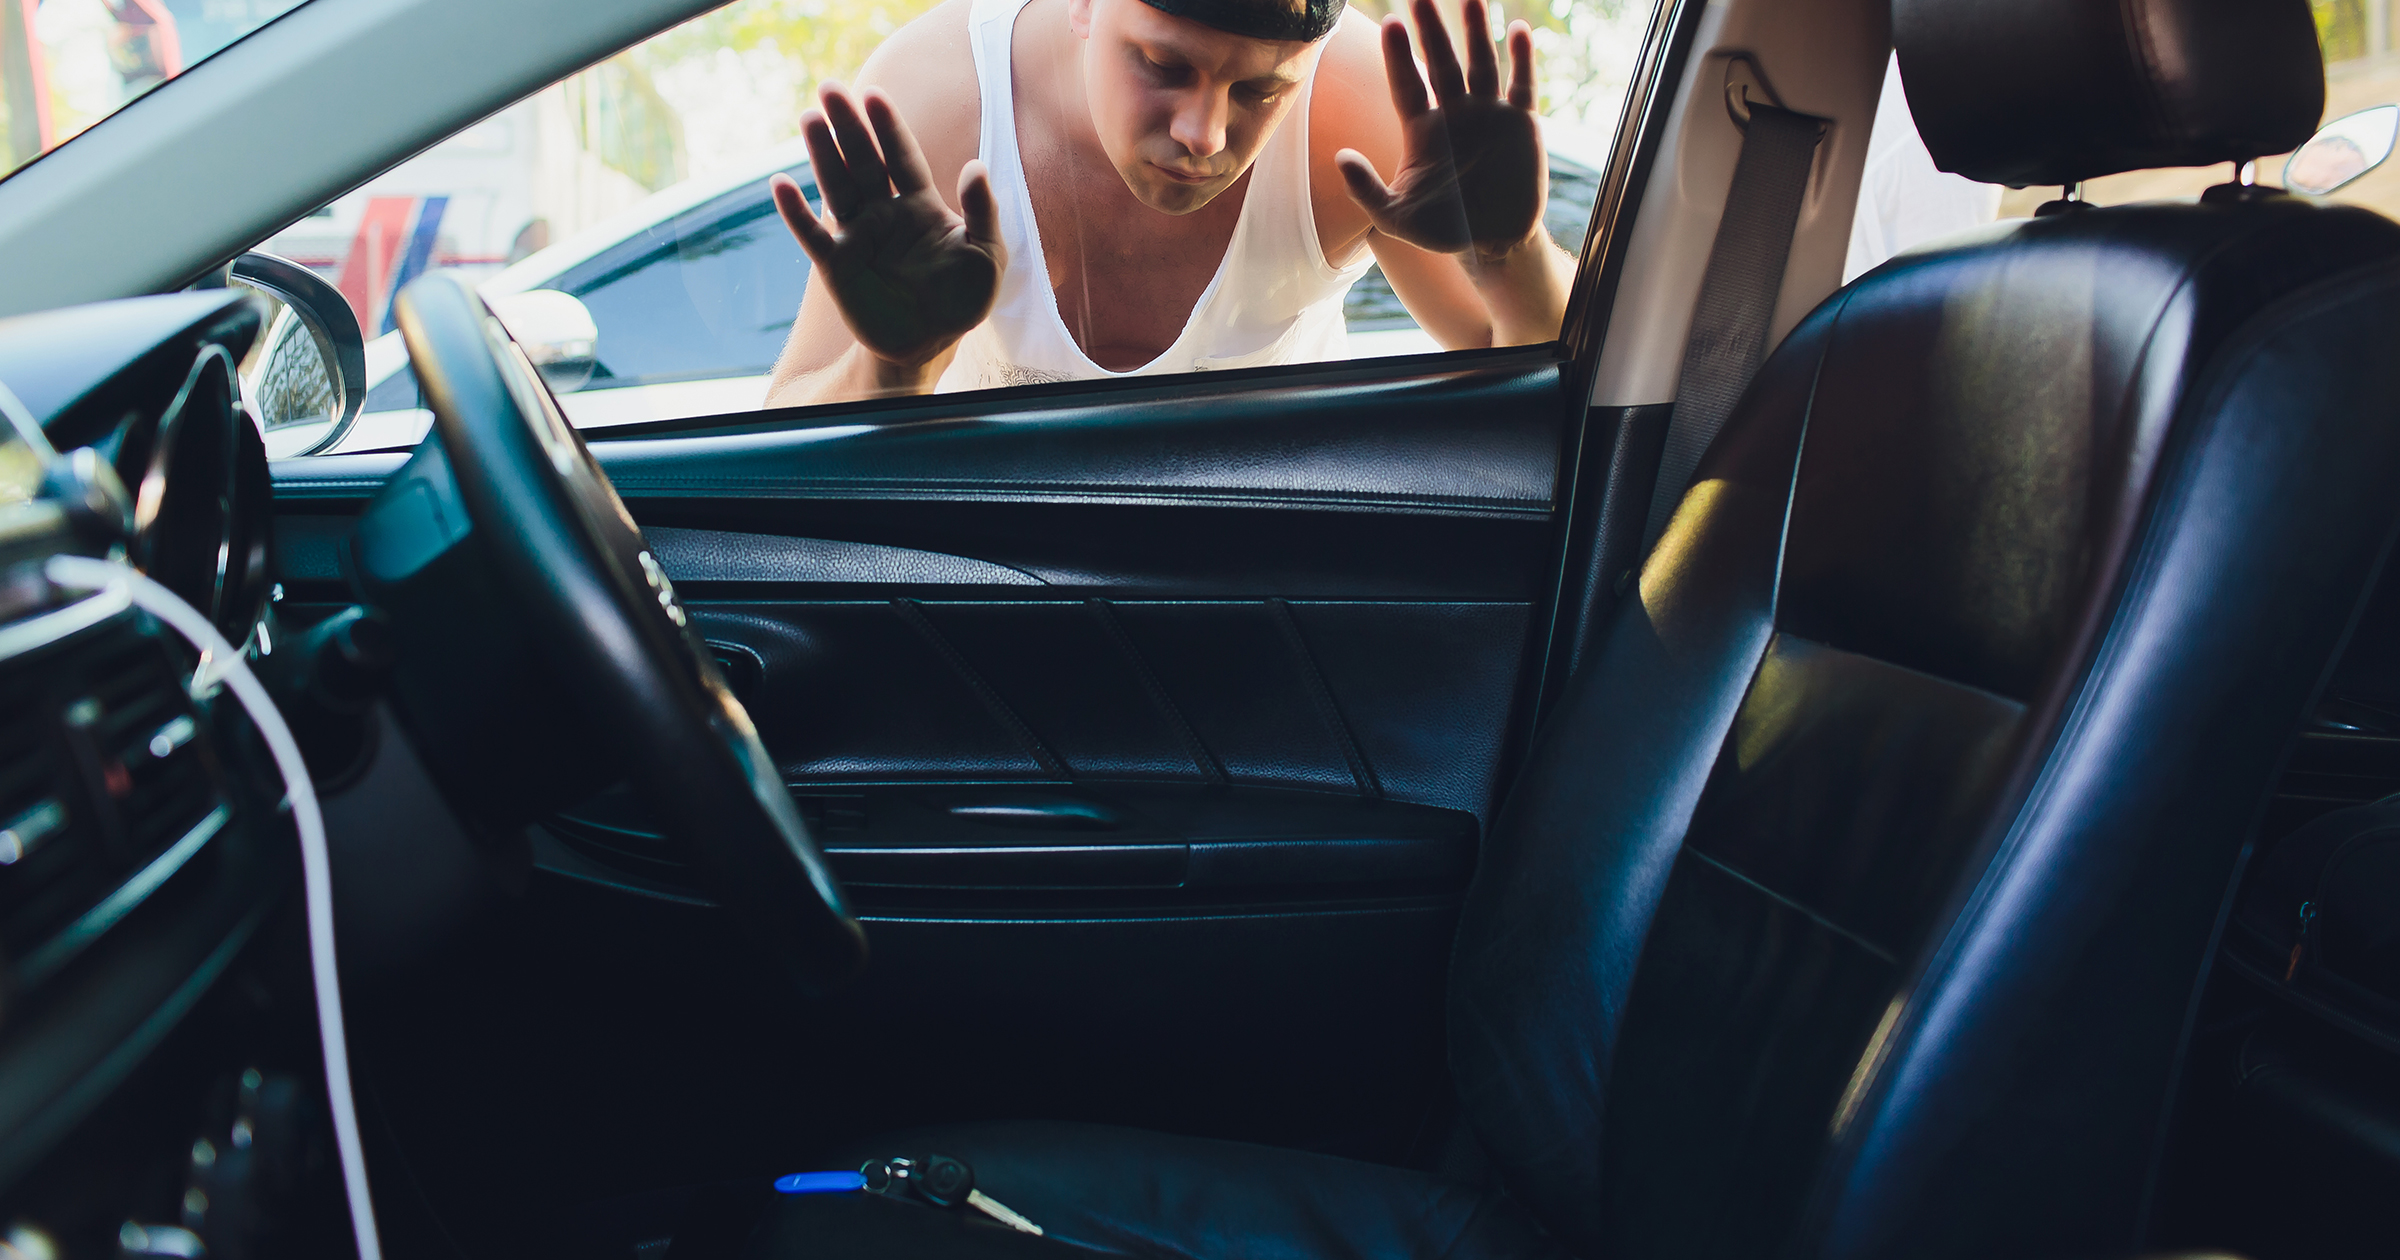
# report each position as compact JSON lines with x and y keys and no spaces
{"x":1151,"y":733}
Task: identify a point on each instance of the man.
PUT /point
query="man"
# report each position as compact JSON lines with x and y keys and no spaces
{"x":1128,"y":198}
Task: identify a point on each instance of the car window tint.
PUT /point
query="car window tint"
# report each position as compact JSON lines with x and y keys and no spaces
{"x":708,"y":293}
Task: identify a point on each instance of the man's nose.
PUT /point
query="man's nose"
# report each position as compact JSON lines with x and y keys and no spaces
{"x":1199,"y":123}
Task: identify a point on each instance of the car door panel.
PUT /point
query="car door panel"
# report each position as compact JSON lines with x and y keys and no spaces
{"x":1397,"y":442}
{"x":1368,"y":698}
{"x":1190,"y":550}
{"x":1315,"y":1023}
{"x":1152,"y":733}
{"x":702,"y":556}
{"x":1002,"y":847}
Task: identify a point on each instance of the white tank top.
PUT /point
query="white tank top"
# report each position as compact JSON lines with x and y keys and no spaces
{"x":1274,"y":298}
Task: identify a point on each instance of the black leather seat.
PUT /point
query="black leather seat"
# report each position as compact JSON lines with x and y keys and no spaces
{"x":1857,"y":898}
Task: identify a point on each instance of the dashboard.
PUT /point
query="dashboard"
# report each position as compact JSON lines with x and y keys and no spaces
{"x":160,"y":1088}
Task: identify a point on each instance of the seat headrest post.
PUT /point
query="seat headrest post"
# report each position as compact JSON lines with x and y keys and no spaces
{"x":2023,"y":92}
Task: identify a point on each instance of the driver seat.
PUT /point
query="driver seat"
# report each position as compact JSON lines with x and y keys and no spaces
{"x":1857,"y":898}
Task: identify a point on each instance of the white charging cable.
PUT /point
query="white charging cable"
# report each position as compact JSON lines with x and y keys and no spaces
{"x":316,"y":867}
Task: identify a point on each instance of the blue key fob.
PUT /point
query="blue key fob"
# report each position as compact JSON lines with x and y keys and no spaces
{"x":821,"y":1182}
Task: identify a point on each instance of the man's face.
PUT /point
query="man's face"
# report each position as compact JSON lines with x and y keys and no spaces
{"x":1182,"y":108}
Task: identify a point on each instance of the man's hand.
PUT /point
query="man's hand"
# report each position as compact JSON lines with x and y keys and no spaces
{"x":1472,"y":174}
{"x":909,"y":276}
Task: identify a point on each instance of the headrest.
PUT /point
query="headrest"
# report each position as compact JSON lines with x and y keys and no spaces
{"x":2053,"y":91}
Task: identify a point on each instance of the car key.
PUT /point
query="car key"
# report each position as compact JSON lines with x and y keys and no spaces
{"x":946,"y":1182}
{"x":943,"y":1182}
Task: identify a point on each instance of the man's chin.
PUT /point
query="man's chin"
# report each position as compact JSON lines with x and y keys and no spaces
{"x":1168,"y":195}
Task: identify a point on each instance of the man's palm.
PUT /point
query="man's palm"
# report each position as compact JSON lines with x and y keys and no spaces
{"x":1472,"y":174}
{"x":909,"y":275}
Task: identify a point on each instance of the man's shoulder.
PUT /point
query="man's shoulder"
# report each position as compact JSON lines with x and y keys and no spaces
{"x":928,"y":69}
{"x":1354,"y":52}
{"x":1351,"y":102}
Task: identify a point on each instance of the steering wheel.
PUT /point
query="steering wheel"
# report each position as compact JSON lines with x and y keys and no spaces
{"x":581,"y":578}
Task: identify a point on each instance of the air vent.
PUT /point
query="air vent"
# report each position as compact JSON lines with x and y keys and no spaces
{"x":106,"y":788}
{"x":130,"y":716}
{"x":52,"y":868}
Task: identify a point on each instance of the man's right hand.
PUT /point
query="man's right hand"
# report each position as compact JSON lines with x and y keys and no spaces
{"x":909,"y":276}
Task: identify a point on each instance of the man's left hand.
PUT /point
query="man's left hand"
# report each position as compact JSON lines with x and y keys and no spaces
{"x":1473,"y":175}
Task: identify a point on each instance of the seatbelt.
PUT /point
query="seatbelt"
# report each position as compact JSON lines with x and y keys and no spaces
{"x":1737,"y":293}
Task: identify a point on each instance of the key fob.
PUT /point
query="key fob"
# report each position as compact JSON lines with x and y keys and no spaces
{"x":941,"y":1180}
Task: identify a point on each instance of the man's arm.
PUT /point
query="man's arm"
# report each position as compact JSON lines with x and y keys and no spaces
{"x":1525,"y":288}
{"x":1467,"y":304}
{"x":1458,"y":231}
{"x":908,"y":255}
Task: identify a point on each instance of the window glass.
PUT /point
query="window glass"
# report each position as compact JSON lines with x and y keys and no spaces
{"x":66,"y":64}
{"x":1169,"y":200}
{"x":709,"y":293}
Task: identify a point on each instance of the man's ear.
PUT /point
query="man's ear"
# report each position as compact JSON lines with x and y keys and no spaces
{"x":1079,"y":18}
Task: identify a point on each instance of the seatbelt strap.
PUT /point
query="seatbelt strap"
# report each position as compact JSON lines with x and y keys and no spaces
{"x":1737,"y":295}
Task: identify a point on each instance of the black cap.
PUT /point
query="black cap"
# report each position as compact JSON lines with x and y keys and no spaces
{"x":1303,"y":21}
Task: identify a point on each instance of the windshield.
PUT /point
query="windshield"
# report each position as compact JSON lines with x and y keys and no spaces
{"x":66,"y":64}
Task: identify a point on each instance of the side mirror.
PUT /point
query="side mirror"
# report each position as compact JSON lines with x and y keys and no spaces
{"x":556,"y":332}
{"x":2342,"y":150}
{"x":306,"y":376}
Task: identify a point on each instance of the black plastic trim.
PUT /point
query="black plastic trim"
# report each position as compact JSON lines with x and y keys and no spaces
{"x":1448,"y":443}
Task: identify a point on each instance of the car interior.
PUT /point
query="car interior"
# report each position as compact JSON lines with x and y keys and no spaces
{"x":1790,"y":768}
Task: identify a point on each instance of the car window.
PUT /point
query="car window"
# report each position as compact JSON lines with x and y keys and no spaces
{"x":66,"y":64}
{"x":629,"y":210}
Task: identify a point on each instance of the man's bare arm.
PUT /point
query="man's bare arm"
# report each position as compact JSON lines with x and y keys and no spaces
{"x":851,"y":375}
{"x":1525,"y":289}
{"x":908,"y":243}
{"x":1516,"y":301}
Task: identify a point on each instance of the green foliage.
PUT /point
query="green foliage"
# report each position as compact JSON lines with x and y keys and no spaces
{"x":824,"y":39}
{"x":2341,"y":28}
{"x":620,"y":118}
